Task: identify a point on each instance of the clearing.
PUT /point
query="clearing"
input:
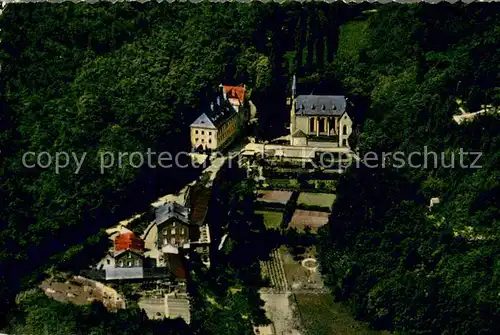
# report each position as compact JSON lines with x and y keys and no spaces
{"x":271,"y":219}
{"x":321,"y":315}
{"x":316,"y":199}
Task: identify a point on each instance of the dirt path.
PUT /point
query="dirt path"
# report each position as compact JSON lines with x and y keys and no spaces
{"x":280,"y":311}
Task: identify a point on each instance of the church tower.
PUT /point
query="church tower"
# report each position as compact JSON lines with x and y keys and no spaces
{"x":292,"y":106}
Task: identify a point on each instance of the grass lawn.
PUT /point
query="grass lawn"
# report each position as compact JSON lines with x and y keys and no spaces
{"x":271,"y":219}
{"x":316,"y":199}
{"x":321,"y":315}
{"x":283,"y":183}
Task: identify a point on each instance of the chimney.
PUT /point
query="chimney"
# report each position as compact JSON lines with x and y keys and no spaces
{"x":212,"y":106}
{"x":218,"y":101}
{"x":294,"y":86}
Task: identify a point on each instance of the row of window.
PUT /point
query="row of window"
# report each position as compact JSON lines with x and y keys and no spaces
{"x":129,"y":263}
{"x":173,"y":241}
{"x":321,"y":124}
{"x":203,"y":132}
{"x":173,"y":231}
{"x":203,"y":140}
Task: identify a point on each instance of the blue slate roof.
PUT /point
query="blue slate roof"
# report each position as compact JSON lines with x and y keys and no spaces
{"x":320,"y":105}
{"x":203,"y":121}
{"x":215,"y":114}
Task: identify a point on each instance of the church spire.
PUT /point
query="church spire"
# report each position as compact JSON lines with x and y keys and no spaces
{"x":294,"y":87}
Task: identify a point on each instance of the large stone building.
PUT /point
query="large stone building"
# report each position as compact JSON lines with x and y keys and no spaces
{"x":179,"y":224}
{"x":217,"y":125}
{"x":319,"y":118}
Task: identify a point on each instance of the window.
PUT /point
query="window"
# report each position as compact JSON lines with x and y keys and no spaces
{"x":203,"y":140}
{"x":345,"y":130}
{"x":172,"y":240}
{"x":210,"y":133}
{"x":182,"y":231}
{"x":121,"y":264}
{"x":172,"y":231}
{"x":196,"y":132}
{"x":129,"y":264}
{"x":202,"y":132}
{"x":129,"y":255}
{"x":137,"y":262}
{"x":209,"y":141}
{"x":311,"y":125}
{"x":108,"y":261}
{"x":196,"y":139}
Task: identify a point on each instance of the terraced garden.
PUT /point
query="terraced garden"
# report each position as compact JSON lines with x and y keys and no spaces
{"x":274,"y":271}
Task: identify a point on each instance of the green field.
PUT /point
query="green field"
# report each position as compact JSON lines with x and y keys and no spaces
{"x":271,"y":219}
{"x":283,"y":183}
{"x":321,"y":315}
{"x":316,"y":199}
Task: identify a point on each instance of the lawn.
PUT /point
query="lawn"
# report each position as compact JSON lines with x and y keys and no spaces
{"x":280,"y":197}
{"x":282,"y":183}
{"x":321,"y":315}
{"x":316,"y":199}
{"x":271,"y":219}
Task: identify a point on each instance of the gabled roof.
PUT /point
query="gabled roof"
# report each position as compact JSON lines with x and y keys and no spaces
{"x":215,"y":114}
{"x":121,"y":252}
{"x":163,"y":216}
{"x":203,"y":121}
{"x":322,"y":105}
{"x":299,"y":133}
{"x":127,"y":241}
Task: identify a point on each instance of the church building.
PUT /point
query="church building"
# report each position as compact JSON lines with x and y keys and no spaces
{"x":319,"y":118}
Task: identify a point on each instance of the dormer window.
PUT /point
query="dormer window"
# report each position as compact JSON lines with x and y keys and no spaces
{"x":323,"y":107}
{"x":312,"y":107}
{"x":301,"y":106}
{"x":334,"y":107}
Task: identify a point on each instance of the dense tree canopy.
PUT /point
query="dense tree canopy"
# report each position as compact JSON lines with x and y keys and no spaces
{"x":399,"y":266}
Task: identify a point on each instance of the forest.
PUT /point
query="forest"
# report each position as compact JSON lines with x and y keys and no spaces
{"x":131,"y":76}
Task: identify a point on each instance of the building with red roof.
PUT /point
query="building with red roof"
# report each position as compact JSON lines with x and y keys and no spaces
{"x":234,"y":92}
{"x":128,"y":241}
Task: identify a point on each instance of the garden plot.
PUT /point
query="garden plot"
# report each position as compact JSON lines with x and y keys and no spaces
{"x":316,"y":199}
{"x":271,"y":219}
{"x":313,"y":219}
{"x":280,"y":197}
{"x":321,"y":315}
{"x":273,"y":271}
